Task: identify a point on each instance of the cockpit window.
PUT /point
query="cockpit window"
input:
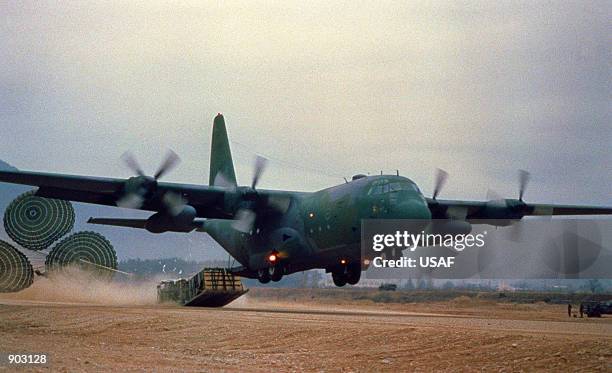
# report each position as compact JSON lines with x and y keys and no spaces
{"x":384,"y":186}
{"x":375,"y":190}
{"x":403,"y":185}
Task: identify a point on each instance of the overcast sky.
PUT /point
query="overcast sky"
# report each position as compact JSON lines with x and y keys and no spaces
{"x":479,"y":89}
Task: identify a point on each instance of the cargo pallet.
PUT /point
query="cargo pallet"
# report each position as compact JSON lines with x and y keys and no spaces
{"x":211,"y":287}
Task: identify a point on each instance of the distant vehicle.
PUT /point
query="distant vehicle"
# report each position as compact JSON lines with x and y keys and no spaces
{"x":596,"y":309}
{"x":387,"y":287}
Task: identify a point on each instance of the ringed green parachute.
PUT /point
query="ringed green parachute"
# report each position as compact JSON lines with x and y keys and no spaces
{"x":16,"y":272}
{"x":89,"y":250}
{"x":35,"y":222}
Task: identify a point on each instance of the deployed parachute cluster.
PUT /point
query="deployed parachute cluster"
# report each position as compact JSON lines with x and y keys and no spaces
{"x":35,"y":223}
{"x":16,"y":272}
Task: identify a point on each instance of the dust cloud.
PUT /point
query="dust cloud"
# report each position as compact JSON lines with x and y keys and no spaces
{"x":74,"y":285}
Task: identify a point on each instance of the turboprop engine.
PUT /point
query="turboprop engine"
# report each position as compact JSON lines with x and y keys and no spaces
{"x":164,"y":222}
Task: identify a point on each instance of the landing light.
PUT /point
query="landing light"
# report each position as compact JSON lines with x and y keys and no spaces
{"x":342,"y":261}
{"x":272,"y":258}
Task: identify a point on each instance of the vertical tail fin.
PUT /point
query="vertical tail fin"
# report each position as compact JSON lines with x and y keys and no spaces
{"x":221,"y":164}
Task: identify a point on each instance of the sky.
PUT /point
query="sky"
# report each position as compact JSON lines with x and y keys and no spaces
{"x":323,"y":89}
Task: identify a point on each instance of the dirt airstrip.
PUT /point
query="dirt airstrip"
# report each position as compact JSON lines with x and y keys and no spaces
{"x":132,"y":333}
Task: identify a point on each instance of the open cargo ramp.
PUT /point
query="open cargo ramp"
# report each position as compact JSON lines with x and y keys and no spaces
{"x":211,"y":287}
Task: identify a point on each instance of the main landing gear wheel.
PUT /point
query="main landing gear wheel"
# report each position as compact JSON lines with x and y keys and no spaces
{"x":339,"y":278}
{"x":353,"y":273}
{"x":263,"y":276}
{"x":346,"y":273}
{"x":275,"y":272}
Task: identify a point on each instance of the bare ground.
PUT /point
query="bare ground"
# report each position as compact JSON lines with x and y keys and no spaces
{"x":258,"y":336}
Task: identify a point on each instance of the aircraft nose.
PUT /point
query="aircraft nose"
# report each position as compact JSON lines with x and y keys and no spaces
{"x":414,"y":209}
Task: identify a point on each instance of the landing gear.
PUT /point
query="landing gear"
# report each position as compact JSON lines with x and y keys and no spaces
{"x":263,"y":276}
{"x":275,"y":272}
{"x":339,"y":278}
{"x":353,"y":273}
{"x":346,"y":273}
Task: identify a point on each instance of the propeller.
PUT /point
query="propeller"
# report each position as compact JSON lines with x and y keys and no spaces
{"x":138,"y":190}
{"x":244,"y":221}
{"x":174,"y":202}
{"x":456,"y":212}
{"x":246,"y":216}
{"x":131,"y":162}
{"x":441,"y":177}
{"x":523,"y":181}
{"x":170,"y":162}
{"x":497,"y":202}
{"x":260,"y":167}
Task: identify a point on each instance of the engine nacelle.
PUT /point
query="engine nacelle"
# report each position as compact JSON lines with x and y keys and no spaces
{"x":186,"y":216}
{"x":164,"y":222}
{"x":504,"y":212}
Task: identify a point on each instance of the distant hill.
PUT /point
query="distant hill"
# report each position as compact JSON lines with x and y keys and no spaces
{"x":129,"y":243}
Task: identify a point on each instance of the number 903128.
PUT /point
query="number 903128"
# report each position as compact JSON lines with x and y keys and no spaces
{"x":25,"y":359}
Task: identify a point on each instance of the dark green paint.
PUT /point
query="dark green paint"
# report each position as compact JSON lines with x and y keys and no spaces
{"x":221,"y":155}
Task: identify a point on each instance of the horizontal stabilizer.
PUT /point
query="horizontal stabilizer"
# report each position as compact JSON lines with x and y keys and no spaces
{"x":132,"y":223}
{"x":142,"y":224}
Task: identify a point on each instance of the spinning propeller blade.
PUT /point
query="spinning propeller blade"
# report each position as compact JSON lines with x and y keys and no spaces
{"x":169,"y":163}
{"x":523,"y":180}
{"x":441,"y":177}
{"x":260,"y":167}
{"x":131,"y":162}
{"x":136,"y":198}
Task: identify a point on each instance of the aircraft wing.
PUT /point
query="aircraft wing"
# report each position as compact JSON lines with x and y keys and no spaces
{"x":542,"y":209}
{"x":506,"y":209}
{"x":208,"y":200}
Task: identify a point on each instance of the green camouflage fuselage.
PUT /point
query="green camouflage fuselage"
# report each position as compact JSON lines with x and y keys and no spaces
{"x":319,"y":229}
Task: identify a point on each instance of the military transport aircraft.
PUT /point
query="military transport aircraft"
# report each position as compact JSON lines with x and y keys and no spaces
{"x":272,"y":233}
